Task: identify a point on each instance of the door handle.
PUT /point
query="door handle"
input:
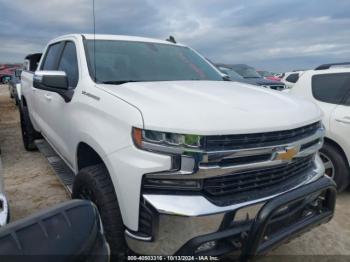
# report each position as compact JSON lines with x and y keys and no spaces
{"x":345,"y":120}
{"x":48,"y":97}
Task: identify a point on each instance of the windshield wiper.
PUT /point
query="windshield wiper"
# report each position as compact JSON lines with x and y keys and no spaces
{"x":118,"y":82}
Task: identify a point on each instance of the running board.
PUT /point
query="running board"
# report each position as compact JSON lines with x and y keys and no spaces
{"x":64,"y":173}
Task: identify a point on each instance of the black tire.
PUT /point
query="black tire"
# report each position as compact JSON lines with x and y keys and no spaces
{"x":94,"y":183}
{"x":341,"y":174}
{"x":28,"y":132}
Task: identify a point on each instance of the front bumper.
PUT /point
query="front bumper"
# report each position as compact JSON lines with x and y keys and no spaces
{"x":247,"y":230}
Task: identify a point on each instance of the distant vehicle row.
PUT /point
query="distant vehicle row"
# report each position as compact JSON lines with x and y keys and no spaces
{"x":247,"y":74}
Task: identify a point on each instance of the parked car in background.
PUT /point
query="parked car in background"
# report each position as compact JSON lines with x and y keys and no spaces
{"x":329,"y":86}
{"x":15,"y":86}
{"x":139,"y":122}
{"x":251,"y":76}
{"x":290,"y":78}
{"x":233,"y":76}
{"x":6,"y":71}
{"x":269,"y":75}
{"x":5,"y":79}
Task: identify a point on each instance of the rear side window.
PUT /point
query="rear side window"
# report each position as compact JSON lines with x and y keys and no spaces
{"x":51,"y":57}
{"x":293,"y":78}
{"x":331,"y":88}
{"x":69,"y":64}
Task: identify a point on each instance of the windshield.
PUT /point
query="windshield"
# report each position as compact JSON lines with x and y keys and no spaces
{"x":118,"y":62}
{"x":231,"y":74}
{"x":246,"y":72}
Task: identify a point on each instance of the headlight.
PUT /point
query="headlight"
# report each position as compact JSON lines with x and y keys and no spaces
{"x":166,"y":142}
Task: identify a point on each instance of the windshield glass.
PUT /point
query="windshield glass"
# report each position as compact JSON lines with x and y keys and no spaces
{"x":246,"y":72}
{"x":118,"y":62}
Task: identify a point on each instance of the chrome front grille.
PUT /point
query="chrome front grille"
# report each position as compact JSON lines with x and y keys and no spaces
{"x":227,"y":142}
{"x":240,"y":168}
{"x":247,"y":185}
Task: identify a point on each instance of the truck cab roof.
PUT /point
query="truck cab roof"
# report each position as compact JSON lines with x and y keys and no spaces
{"x":115,"y":38}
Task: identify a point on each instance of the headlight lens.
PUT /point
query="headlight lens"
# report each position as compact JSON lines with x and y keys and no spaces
{"x":166,"y":142}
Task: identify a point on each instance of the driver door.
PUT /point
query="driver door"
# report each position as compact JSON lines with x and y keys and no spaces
{"x":56,"y":115}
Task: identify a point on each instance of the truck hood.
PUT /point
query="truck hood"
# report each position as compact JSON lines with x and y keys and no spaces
{"x":214,"y":107}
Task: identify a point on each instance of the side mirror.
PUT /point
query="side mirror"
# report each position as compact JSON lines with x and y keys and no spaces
{"x":48,"y":80}
{"x":53,"y":81}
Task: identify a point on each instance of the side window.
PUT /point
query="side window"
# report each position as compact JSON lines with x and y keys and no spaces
{"x":293,"y":78}
{"x":51,"y":57}
{"x":69,"y":63}
{"x":331,"y":88}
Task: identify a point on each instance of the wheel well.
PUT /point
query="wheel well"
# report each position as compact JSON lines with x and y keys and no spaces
{"x":87,"y":156}
{"x":338,"y":147}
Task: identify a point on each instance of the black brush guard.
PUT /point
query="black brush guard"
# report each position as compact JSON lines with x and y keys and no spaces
{"x":311,"y":205}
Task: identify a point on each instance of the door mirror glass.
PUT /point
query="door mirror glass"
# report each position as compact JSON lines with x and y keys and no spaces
{"x":50,"y":80}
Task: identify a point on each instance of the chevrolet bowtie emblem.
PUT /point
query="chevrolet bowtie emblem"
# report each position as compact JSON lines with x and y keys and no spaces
{"x":288,"y":154}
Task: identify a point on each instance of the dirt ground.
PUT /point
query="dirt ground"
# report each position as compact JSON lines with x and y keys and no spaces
{"x":31,"y":185}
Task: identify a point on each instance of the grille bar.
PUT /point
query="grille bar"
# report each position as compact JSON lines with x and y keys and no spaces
{"x":256,"y":179}
{"x":225,"y":142}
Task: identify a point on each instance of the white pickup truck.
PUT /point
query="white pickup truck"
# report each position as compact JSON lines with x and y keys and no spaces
{"x":177,"y":160}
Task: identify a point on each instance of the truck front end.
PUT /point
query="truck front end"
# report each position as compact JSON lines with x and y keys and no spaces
{"x":231,"y":193}
{"x":211,"y":166}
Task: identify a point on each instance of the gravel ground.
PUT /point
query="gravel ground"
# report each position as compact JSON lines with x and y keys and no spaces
{"x":31,"y":185}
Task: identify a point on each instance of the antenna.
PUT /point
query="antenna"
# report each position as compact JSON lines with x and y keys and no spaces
{"x":94,"y":18}
{"x":171,"y":39}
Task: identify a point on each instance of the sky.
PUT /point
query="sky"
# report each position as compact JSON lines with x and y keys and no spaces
{"x":276,"y":35}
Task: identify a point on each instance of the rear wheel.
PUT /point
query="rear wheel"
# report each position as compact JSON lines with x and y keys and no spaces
{"x":28,"y":132}
{"x":335,"y":166}
{"x":94,"y":183}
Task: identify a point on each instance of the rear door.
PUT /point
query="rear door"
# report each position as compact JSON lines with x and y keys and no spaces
{"x":333,"y":90}
{"x":341,"y":122}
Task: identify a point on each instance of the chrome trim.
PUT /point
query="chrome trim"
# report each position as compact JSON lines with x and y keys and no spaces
{"x":173,"y":232}
{"x":5,"y":210}
{"x":137,"y":237}
{"x":201,"y":161}
{"x":196,"y":205}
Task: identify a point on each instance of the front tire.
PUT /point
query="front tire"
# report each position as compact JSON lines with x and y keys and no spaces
{"x":94,"y":183}
{"x":28,"y":132}
{"x":335,"y":165}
